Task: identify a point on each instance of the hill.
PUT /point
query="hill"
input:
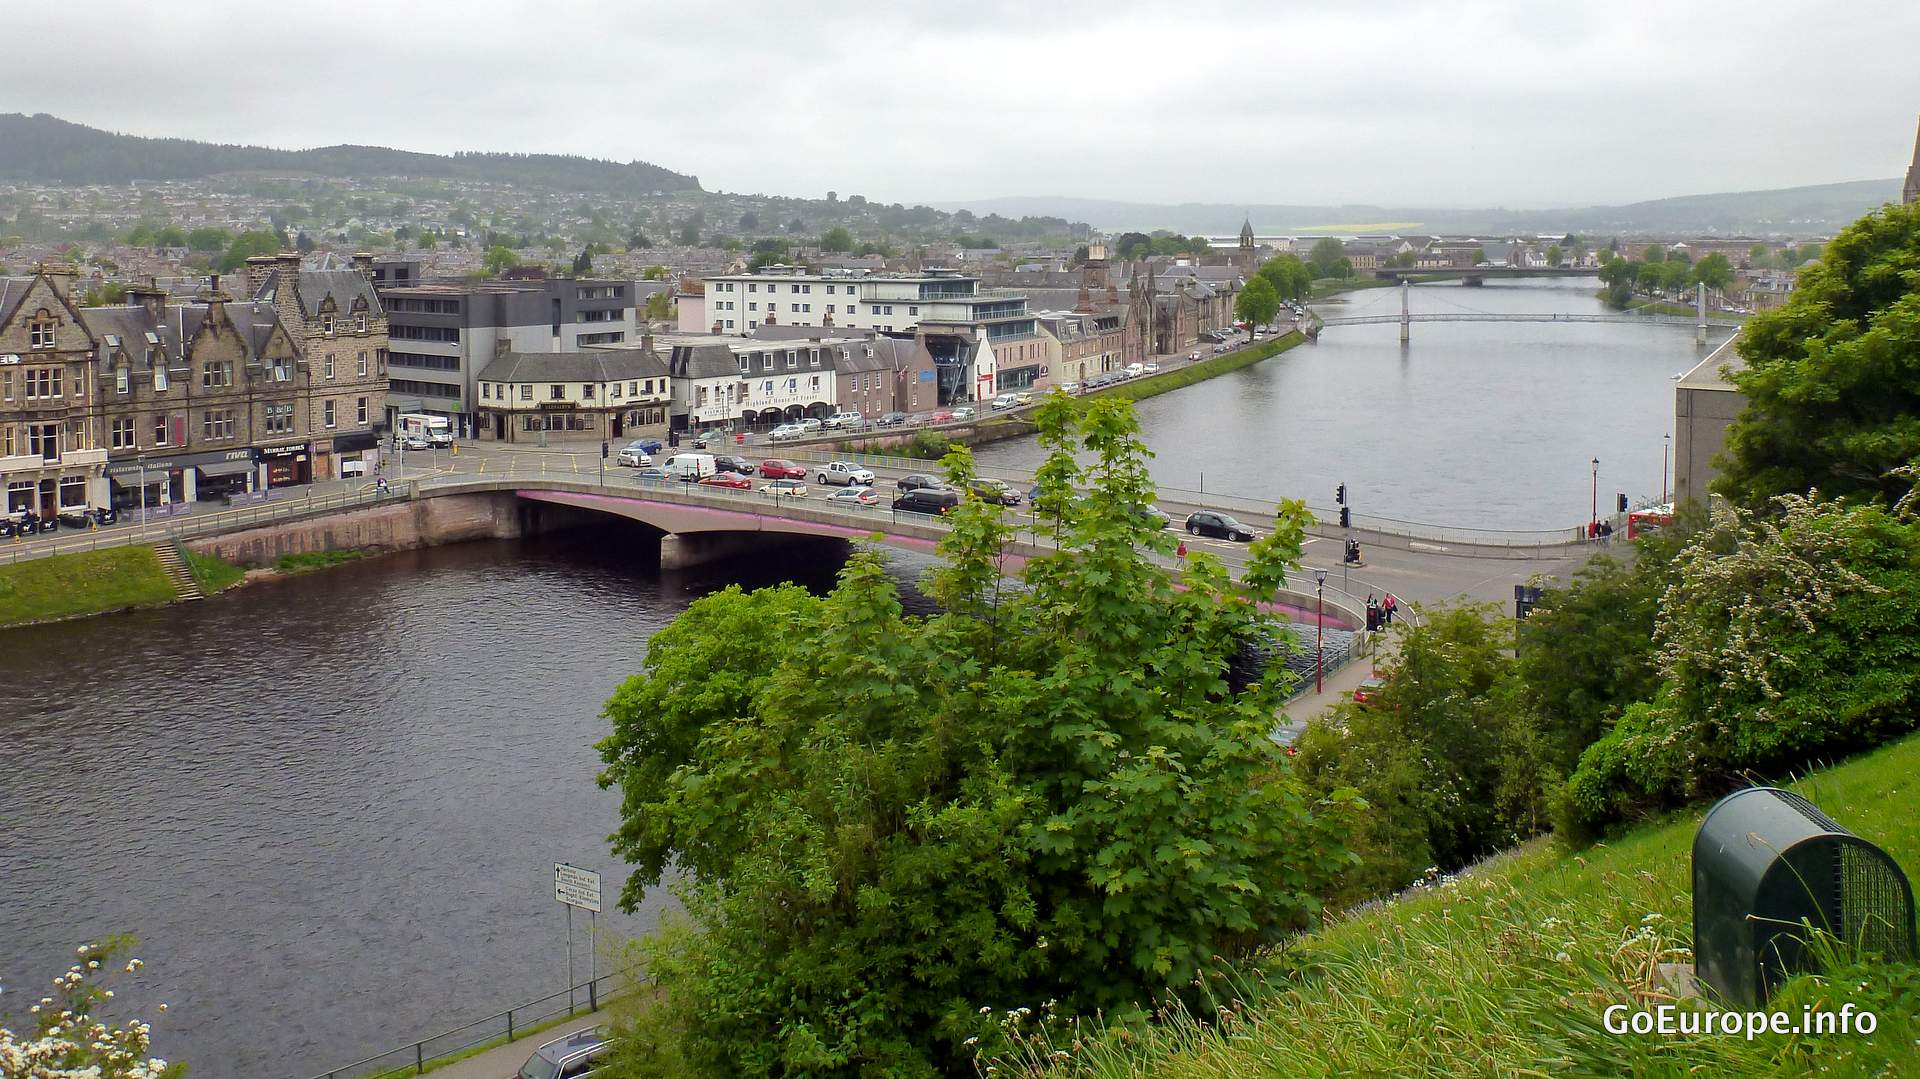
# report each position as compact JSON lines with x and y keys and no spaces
{"x":1509,"y":969}
{"x":1793,"y":211}
{"x":46,"y":149}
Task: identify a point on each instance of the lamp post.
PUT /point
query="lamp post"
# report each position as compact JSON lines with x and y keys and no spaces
{"x":1319,"y":623}
{"x":1593,"y":521}
{"x":1666,"y":447}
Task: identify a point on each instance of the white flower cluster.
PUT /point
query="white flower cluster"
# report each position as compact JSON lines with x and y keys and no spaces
{"x":70,"y":1043}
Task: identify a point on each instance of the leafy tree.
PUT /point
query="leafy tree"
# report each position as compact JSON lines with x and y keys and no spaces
{"x":499,"y":259}
{"x":762,"y":259}
{"x":303,"y":243}
{"x":689,"y":234}
{"x":1554,"y":255}
{"x":1290,"y":278}
{"x":583,"y":262}
{"x":110,"y":293}
{"x":1325,"y":256}
{"x":654,"y":273}
{"x":142,"y":235}
{"x":1823,"y":666}
{"x":208,"y":240}
{"x":1653,"y":253}
{"x":836,"y":240}
{"x":887,"y":821}
{"x":1831,"y":382}
{"x":1132,"y":245}
{"x":1713,"y":271}
{"x":749,"y":221}
{"x":1258,"y":302}
{"x":639,"y":240}
{"x":246,"y":246}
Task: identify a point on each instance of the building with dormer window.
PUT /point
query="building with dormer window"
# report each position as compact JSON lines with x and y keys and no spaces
{"x":50,"y":454}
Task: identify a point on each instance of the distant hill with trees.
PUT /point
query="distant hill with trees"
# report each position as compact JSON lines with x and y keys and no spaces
{"x":48,"y":149}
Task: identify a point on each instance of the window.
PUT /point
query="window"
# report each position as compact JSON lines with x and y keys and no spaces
{"x":217,"y":373}
{"x":557,"y":392}
{"x":326,"y":413}
{"x":216,"y":424}
{"x":360,"y":411}
{"x":360,"y":324}
{"x":752,"y":306}
{"x":160,"y":430}
{"x":6,"y":384}
{"x":586,"y":391}
{"x":796,"y":307}
{"x":745,"y":363}
{"x":486,"y":391}
{"x":121,"y":379}
{"x":122,"y":433}
{"x":751,"y":287}
{"x":43,"y":382}
{"x":329,"y":365}
{"x":160,"y":378}
{"x":282,"y":369}
{"x":613,"y":390}
{"x":526,"y":391}
{"x":279,"y":418}
{"x":889,"y":309}
{"x":360,"y":366}
{"x":913,"y":310}
{"x":873,"y":308}
{"x":729,"y":324}
{"x":326,"y":325}
{"x":633,"y":388}
{"x":793,"y":360}
{"x":40,"y":335}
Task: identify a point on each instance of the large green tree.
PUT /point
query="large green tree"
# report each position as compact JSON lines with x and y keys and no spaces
{"x":888,"y":823}
{"x":1290,"y":278}
{"x":1325,"y":257}
{"x":1258,"y":302}
{"x":1832,"y":378}
{"x":836,"y":240}
{"x":499,"y":259}
{"x":245,"y":246}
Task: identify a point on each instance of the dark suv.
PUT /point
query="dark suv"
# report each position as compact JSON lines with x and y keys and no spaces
{"x":577,"y":1054}
{"x":932,"y":500}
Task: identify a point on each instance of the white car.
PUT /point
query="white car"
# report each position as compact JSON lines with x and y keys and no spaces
{"x":843,"y":419}
{"x":786,"y":431}
{"x":845,"y":474}
{"x":1149,"y":368}
{"x":810,"y":425}
{"x":962,"y":414}
{"x":632,"y":456}
{"x":414,"y":442}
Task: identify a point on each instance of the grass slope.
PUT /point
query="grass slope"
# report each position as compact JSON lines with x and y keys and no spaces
{"x":82,"y":583}
{"x":1187,"y":375}
{"x":1508,"y":970}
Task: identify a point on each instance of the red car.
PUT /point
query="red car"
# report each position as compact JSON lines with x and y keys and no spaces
{"x":1367,"y":690}
{"x":944,"y":415}
{"x":728,"y":479}
{"x":776,"y":468}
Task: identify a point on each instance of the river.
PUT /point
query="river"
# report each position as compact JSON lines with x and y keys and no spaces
{"x":1473,"y":424}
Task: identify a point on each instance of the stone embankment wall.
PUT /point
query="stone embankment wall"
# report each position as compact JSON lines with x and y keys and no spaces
{"x":394,"y":526}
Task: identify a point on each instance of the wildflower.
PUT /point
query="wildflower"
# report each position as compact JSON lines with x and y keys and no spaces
{"x":986,"y":1011}
{"x":1652,"y":918}
{"x":1563,"y":958}
{"x":975,"y":1040}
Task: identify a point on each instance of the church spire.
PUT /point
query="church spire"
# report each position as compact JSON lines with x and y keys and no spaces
{"x":1912,"y":192}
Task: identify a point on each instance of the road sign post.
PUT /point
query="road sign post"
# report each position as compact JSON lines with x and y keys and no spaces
{"x":576,"y":887}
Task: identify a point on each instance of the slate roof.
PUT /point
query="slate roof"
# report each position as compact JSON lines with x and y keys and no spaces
{"x":599,"y":365}
{"x":343,"y":285}
{"x":132,"y":323}
{"x":703,"y":361}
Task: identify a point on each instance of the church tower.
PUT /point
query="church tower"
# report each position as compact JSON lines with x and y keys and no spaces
{"x":1911,"y":194}
{"x":1246,"y":243}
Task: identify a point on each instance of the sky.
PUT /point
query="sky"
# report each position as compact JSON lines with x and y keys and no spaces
{"x":1420,"y":103}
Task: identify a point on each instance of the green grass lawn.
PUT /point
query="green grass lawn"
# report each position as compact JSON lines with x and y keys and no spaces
{"x":1187,"y":374}
{"x":1508,"y":970}
{"x":302,"y":563}
{"x":213,"y":573}
{"x":82,"y":583}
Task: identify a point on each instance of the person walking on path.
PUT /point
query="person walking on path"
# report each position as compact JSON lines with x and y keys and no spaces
{"x":1387,"y":607}
{"x":1373,"y":613}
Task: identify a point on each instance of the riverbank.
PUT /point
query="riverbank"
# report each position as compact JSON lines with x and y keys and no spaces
{"x":1678,"y":310}
{"x":82,"y":584}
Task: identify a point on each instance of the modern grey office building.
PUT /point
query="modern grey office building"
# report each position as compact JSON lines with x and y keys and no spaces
{"x":443,"y":333}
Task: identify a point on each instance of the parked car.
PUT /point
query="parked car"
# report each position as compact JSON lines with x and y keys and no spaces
{"x":785,"y":488}
{"x":1219,"y":525}
{"x":859,"y":496}
{"x":731,"y":480}
{"x":810,"y":425}
{"x":730,"y":463}
{"x":785,"y":432}
{"x":1005,"y":401}
{"x":1023,"y":398}
{"x":76,"y":516}
{"x":1193,"y":357}
{"x":891,"y":419}
{"x":779,"y":468}
{"x":647,"y":474}
{"x":930,"y":500}
{"x":646,"y":445}
{"x":414,"y":442}
{"x":842,"y":420}
{"x":1367,"y":690}
{"x":1149,"y":368}
{"x":941,"y":415}
{"x":706,"y":439}
{"x":568,"y":1057}
{"x":962,"y":413}
{"x":632,"y":456}
{"x":1135,"y":370}
{"x":918,"y":480}
{"x":845,"y":474}
{"x":994,"y":491}
{"x":1069,"y":388}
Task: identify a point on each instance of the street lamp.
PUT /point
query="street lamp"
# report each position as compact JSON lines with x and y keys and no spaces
{"x":1319,"y":624}
{"x":1593,"y":521}
{"x":1666,"y":445}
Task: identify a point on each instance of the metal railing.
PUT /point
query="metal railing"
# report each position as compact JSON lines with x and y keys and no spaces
{"x":413,"y":1057}
{"x":190,"y":523}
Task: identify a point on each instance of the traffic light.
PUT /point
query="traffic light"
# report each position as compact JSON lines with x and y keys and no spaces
{"x":1340,"y":495}
{"x":1623,"y":502}
{"x":603,"y":451}
{"x":1346,"y":517}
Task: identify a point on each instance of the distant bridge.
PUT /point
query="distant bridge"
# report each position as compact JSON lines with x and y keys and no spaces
{"x":1466,"y":316}
{"x":1477,"y":273}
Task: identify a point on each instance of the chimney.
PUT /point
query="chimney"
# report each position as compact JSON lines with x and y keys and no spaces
{"x":501,"y":346}
{"x":60,"y":275}
{"x":216,"y":299}
{"x":363,"y":262}
{"x":259,"y":273}
{"x":150,"y":296}
{"x":1085,"y":306}
{"x":646,"y":341}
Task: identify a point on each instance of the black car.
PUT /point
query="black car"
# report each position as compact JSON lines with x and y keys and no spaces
{"x":1152,"y":517}
{"x":891,"y":419}
{"x":931,"y":500}
{"x":1218,"y":525}
{"x":994,"y":491}
{"x":727,"y":463}
{"x":919,"y":480}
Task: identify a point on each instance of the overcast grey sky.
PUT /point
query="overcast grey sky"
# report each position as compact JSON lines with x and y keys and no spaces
{"x":1456,"y":103}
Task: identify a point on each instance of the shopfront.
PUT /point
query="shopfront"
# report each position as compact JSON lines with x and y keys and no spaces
{"x":354,"y":455}
{"x":287,"y":465}
{"x":231,"y":474}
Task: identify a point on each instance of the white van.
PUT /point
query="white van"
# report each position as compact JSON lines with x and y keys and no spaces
{"x":690,"y":467}
{"x":844,"y":419}
{"x":1006,"y":401}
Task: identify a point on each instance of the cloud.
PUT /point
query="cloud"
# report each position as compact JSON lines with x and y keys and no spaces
{"x":1470,"y":103}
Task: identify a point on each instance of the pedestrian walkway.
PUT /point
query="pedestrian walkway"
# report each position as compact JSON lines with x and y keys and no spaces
{"x":1338,"y":685}
{"x":505,"y":1060}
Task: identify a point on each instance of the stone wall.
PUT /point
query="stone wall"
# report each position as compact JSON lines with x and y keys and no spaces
{"x":395,"y":526}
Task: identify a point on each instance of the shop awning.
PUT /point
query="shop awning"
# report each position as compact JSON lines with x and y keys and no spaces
{"x":226,"y":468}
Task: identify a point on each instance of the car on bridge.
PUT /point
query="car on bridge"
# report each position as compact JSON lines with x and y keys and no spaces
{"x":845,"y":474}
{"x":962,"y":413}
{"x":779,"y":468}
{"x":729,"y":463}
{"x":645,"y":475}
{"x":785,"y":488}
{"x":1218,"y":525}
{"x":917,"y":480}
{"x":940,"y":415}
{"x":997,"y":492}
{"x":839,"y":420}
{"x":891,"y":419}
{"x":855,"y":496}
{"x":786,"y":432}
{"x":632,"y":456}
{"x":934,"y":501}
{"x":732,"y":480}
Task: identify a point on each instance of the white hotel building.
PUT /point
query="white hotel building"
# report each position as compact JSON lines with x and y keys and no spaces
{"x":983,"y":341}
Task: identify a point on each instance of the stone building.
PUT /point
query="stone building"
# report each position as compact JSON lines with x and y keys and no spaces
{"x":593,"y":395}
{"x":1910,"y":194}
{"x":340,"y":326}
{"x":50,"y":454}
{"x":208,"y":398}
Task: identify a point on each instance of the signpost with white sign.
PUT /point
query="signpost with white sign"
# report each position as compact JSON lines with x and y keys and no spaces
{"x":577,"y":887}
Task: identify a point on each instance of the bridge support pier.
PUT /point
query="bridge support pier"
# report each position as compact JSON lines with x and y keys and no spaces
{"x":686,"y":550}
{"x":1406,"y":319}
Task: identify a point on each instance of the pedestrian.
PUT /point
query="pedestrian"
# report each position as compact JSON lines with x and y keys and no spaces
{"x":1182,"y":552}
{"x":1388,"y":606}
{"x":1373,"y":614}
{"x":1606,"y":533}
